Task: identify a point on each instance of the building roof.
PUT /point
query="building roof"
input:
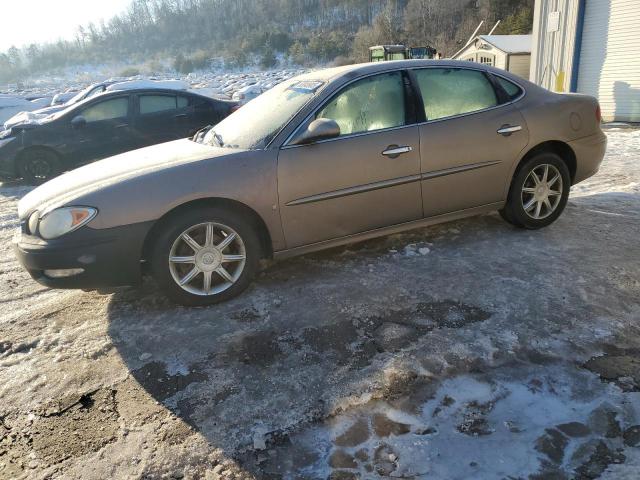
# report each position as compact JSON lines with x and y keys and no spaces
{"x":510,"y":43}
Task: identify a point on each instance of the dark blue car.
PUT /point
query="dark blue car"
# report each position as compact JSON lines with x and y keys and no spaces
{"x":103,"y":126}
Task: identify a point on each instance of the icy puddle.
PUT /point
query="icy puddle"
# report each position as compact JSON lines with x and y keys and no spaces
{"x":537,"y":421}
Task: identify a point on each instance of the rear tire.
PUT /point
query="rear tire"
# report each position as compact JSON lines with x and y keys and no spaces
{"x":205,"y":256}
{"x":539,"y":192}
{"x":39,"y":165}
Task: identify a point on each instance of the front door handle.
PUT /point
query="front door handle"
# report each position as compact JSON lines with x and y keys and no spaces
{"x":180,"y":115}
{"x":507,"y":130}
{"x":122,"y":125}
{"x":394,"y":151}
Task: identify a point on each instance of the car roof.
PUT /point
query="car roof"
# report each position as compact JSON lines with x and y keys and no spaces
{"x":115,"y":93}
{"x":350,"y":71}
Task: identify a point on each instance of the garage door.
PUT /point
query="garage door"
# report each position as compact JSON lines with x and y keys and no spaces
{"x":609,"y":63}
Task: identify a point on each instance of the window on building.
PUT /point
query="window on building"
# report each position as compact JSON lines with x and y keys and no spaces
{"x":486,"y":60}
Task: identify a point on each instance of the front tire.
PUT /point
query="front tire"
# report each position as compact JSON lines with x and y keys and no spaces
{"x":205,"y":256}
{"x":539,"y":192}
{"x":39,"y":165}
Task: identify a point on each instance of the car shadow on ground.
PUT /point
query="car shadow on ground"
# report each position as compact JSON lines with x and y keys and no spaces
{"x":389,"y":318}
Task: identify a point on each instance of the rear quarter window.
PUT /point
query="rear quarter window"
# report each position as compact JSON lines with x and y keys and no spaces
{"x":512,"y":90}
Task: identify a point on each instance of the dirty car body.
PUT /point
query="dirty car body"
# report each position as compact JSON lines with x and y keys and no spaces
{"x":101,"y":126}
{"x":328,"y":158}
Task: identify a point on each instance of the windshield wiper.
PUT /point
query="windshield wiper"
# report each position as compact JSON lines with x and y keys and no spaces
{"x":200,"y":134}
{"x":218,"y":138}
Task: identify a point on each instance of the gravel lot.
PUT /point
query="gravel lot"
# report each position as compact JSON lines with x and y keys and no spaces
{"x":466,"y":350}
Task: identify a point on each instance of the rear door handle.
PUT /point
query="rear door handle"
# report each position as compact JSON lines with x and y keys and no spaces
{"x":181,"y":115}
{"x":122,"y":125}
{"x":507,"y":130}
{"x":394,"y":151}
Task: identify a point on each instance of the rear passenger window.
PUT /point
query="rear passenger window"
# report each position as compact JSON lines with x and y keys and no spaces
{"x":158,"y":103}
{"x":448,"y":92}
{"x":513,"y":91}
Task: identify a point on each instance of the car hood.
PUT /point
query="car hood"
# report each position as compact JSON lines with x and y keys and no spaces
{"x":25,"y":118}
{"x":101,"y":174}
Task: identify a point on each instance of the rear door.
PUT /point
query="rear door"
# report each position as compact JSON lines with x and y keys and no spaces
{"x":161,"y":117}
{"x":107,"y":130}
{"x":366,"y":178}
{"x":472,"y":135}
{"x":207,"y":111}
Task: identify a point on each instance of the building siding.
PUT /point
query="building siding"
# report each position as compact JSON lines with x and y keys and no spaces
{"x":552,"y":51}
{"x":608,"y":69}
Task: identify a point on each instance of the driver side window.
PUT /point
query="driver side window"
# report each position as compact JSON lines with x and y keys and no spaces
{"x":107,"y":110}
{"x":374,"y":103}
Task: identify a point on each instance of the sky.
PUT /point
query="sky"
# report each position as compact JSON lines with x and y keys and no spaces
{"x":36,"y":21}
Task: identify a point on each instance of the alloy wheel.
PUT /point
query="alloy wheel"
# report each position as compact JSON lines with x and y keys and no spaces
{"x":207,"y":258}
{"x":542,"y":191}
{"x":39,"y":168}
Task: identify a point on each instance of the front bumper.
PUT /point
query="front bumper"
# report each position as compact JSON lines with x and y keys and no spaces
{"x":8,"y":154}
{"x":108,"y":258}
{"x":589,"y":152}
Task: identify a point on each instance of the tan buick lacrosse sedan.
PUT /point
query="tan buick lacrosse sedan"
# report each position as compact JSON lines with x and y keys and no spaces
{"x":327,"y":158}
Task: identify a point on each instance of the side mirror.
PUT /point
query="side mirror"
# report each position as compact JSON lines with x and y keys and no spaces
{"x":78,"y":122}
{"x":319,"y":129}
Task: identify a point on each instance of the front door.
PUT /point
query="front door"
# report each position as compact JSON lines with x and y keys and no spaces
{"x":470,"y":141}
{"x":365,"y":179}
{"x":106,"y":131}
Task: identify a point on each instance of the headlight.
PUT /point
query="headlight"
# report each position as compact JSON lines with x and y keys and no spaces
{"x":64,"y":220}
{"x":33,"y":222}
{"x":4,"y":141}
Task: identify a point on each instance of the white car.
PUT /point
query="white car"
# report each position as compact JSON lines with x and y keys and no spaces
{"x":246,"y":94}
{"x":10,"y":106}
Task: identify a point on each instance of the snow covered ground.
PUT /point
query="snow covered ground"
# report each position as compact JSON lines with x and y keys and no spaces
{"x":466,"y":350}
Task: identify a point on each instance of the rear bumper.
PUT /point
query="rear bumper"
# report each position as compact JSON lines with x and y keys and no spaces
{"x":589,"y":152}
{"x":109,"y":257}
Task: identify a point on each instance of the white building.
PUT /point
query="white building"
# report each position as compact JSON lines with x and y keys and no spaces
{"x":590,"y":46}
{"x":509,"y":52}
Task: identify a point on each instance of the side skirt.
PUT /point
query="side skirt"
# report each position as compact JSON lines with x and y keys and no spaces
{"x":381,"y":232}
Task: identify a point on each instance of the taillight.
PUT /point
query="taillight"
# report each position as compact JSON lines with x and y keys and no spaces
{"x":598,"y":114}
{"x":235,"y":108}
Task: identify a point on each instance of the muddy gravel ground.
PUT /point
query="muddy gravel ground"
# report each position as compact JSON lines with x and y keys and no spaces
{"x":466,"y":350}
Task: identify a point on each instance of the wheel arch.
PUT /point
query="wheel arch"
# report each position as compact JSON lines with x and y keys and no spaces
{"x":233,"y":205}
{"x":560,"y":148}
{"x":30,"y":148}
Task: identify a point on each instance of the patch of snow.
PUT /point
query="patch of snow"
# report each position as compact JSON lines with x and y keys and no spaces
{"x":135,"y":84}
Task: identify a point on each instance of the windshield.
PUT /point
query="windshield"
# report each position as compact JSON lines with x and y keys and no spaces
{"x":255,"y":124}
{"x":79,"y":96}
